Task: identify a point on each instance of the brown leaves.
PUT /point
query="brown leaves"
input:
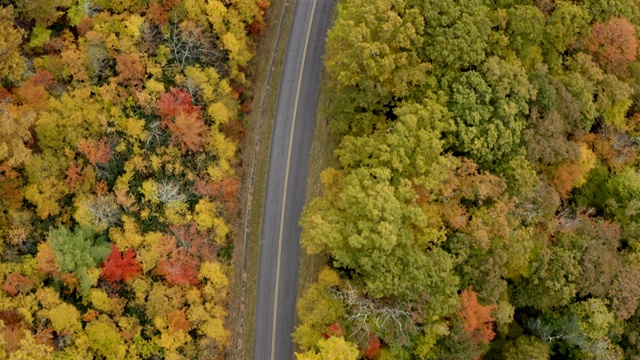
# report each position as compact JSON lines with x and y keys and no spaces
{"x":33,"y":92}
{"x":131,"y":70}
{"x":225,"y":190}
{"x":17,"y":283}
{"x":196,"y":243}
{"x":564,"y":177}
{"x":11,"y":194}
{"x":178,"y":321}
{"x":13,"y":329}
{"x":258,"y":25}
{"x":46,"y":259}
{"x":73,"y":174}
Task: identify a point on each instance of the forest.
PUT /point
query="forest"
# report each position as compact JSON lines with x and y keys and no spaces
{"x":120,"y":125}
{"x":485,"y":197}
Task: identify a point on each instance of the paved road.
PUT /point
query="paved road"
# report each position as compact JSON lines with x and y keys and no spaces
{"x":287,"y":180}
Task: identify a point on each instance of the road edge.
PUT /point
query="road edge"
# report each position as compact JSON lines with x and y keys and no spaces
{"x":322,"y":147}
{"x":267,"y":69}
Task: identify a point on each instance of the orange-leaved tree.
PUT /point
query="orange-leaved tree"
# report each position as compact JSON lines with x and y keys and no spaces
{"x":183,"y":120}
{"x":97,"y":152}
{"x":476,"y":318}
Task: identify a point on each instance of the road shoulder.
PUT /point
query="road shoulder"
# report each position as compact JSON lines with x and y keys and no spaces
{"x":322,"y":147}
{"x":267,"y":70}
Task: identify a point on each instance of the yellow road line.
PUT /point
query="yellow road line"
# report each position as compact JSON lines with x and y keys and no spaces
{"x":286,"y":183}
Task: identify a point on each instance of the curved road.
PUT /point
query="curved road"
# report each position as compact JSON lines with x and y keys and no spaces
{"x":287,"y":180}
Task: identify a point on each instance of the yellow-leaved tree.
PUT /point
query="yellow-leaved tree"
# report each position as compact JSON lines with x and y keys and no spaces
{"x":11,"y":64}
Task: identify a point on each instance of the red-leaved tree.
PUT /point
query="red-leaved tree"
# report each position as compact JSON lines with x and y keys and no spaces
{"x":180,"y":268}
{"x":373,"y":347}
{"x":182,"y":119}
{"x":197,"y":243}
{"x":613,"y":45}
{"x":333,"y":330}
{"x":174,"y":102}
{"x":118,"y":267}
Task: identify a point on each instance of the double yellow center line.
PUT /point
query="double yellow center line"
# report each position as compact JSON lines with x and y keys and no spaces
{"x":286,"y":183}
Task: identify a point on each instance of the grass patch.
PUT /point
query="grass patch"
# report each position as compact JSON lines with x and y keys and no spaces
{"x":267,"y":69}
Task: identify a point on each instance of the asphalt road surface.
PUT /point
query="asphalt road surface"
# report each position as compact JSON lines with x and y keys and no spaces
{"x":287,"y":180}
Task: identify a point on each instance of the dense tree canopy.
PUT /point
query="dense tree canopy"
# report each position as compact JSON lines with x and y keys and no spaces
{"x":120,"y":123}
{"x":489,"y":207}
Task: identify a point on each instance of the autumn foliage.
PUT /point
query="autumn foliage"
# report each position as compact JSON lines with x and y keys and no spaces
{"x":613,"y":44}
{"x":96,"y":151}
{"x":196,"y":242}
{"x":118,"y":177}
{"x":17,"y":283}
{"x":483,"y":199}
{"x":183,"y":120}
{"x":178,"y":321}
{"x":118,"y":267}
{"x":564,"y":178}
{"x":476,"y":319}
{"x":180,"y":268}
{"x":373,"y":347}
{"x":333,"y":330}
{"x":175,"y":102}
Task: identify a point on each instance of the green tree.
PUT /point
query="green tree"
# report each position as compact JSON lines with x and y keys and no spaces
{"x":373,"y":46}
{"x":488,"y":109}
{"x":603,"y":10}
{"x":614,"y":98}
{"x":44,"y":12}
{"x":623,"y":193}
{"x":78,"y":251}
{"x":580,"y":80}
{"x":456,"y":32}
{"x":551,"y":282}
{"x":526,"y":348}
{"x":566,"y":25}
{"x":105,"y":340}
{"x":525,"y":27}
{"x":368,"y":225}
{"x":410,"y":146}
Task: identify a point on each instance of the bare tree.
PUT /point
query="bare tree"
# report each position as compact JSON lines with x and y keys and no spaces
{"x":104,"y":211}
{"x":191,"y":44}
{"x":170,"y":192}
{"x":89,"y":8}
{"x":368,"y":316}
{"x":155,"y":133}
